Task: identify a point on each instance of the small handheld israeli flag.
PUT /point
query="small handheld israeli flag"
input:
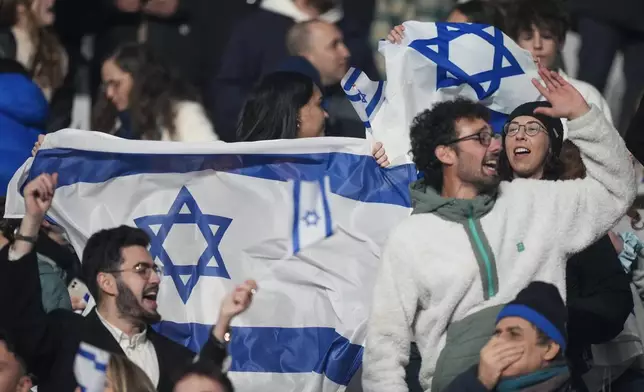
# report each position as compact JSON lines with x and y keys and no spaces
{"x":312,"y":215}
{"x":90,"y":368}
{"x":438,"y":62}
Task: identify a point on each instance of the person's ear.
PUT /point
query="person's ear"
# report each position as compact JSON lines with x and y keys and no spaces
{"x":25,"y":384}
{"x":107,"y":283}
{"x":445,"y":154}
{"x":551,"y":352}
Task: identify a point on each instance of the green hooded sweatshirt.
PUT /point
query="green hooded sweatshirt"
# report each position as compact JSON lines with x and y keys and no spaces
{"x":425,"y":200}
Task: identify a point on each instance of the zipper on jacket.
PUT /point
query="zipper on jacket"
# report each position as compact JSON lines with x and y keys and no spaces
{"x":486,"y":257}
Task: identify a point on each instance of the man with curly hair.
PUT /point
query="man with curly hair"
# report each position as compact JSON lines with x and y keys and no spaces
{"x":473,"y":242}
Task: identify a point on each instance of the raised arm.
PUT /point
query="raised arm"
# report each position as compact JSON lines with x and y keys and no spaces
{"x":23,"y":310}
{"x":581,"y":211}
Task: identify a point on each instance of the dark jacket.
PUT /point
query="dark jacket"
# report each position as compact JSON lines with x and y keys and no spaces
{"x":468,"y":382}
{"x":626,"y":14}
{"x":49,"y":342}
{"x":250,"y":55}
{"x":635,"y":134}
{"x":599,"y":295}
{"x":172,"y":39}
{"x":23,"y":112}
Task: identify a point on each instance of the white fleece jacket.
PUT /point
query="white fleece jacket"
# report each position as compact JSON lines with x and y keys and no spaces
{"x":429,"y":276}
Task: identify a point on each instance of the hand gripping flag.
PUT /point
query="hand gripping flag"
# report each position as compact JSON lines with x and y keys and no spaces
{"x":305,"y":218}
{"x":438,"y":62}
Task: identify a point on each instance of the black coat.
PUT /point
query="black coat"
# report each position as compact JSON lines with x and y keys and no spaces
{"x":635,"y":134}
{"x":49,"y":342}
{"x":599,"y":300}
{"x":626,"y":14}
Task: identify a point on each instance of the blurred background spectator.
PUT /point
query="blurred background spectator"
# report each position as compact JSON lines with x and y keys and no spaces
{"x":142,"y":99}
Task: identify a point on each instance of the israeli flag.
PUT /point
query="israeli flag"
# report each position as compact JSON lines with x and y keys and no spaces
{"x":306,"y":218}
{"x":90,"y":368}
{"x":438,"y":62}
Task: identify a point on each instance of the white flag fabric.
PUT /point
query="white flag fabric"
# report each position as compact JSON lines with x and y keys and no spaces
{"x":437,"y":62}
{"x":90,"y":368}
{"x":305,"y":218}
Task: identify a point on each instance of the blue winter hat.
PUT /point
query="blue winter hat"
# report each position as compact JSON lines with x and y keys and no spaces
{"x":541,"y":304}
{"x":302,"y":66}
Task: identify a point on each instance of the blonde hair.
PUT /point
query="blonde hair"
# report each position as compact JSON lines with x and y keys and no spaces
{"x":127,"y":376}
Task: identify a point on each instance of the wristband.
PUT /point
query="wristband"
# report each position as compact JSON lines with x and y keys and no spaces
{"x":20,"y":237}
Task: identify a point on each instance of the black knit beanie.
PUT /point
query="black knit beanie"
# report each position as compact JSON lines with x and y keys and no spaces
{"x":554,"y":126}
{"x":541,"y":304}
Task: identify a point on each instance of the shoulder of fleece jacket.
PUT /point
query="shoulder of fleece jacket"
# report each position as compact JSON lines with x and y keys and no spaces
{"x":601,"y":144}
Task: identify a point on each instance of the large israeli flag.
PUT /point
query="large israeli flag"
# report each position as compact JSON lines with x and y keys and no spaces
{"x":305,"y":218}
{"x":438,"y":62}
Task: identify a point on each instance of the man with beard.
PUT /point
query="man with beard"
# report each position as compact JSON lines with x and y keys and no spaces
{"x":472,"y":243}
{"x":124,"y":280}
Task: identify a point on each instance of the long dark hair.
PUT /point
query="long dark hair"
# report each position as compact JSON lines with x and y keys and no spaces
{"x":553,"y":167}
{"x":272,"y":108}
{"x":47,"y":66}
{"x":155,"y":91}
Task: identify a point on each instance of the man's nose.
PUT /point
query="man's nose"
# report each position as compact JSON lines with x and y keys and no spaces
{"x":345,"y":51}
{"x":155,"y":277}
{"x":496,"y":144}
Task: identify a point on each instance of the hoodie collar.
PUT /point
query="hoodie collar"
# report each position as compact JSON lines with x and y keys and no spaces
{"x":287,"y":8}
{"x":426,"y":199}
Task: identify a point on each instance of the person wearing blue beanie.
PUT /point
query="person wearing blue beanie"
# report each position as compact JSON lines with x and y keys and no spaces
{"x":526,"y":351}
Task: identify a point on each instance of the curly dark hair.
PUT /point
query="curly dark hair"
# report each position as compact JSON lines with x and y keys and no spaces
{"x":437,"y":126}
{"x":547,"y":15}
{"x":553,"y":168}
{"x":155,"y":90}
{"x":47,"y":66}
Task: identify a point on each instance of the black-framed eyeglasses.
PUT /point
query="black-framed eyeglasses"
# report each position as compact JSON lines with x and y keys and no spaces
{"x":531,"y":128}
{"x":484,"y":137}
{"x":142,"y":269}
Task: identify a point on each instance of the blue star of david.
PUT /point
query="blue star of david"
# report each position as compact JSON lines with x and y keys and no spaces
{"x":363,"y":97}
{"x":448,"y":32}
{"x":193,"y":217}
{"x":311,"y":218}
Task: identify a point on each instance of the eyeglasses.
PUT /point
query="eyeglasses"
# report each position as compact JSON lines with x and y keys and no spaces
{"x":531,"y":128}
{"x":142,"y":269}
{"x":484,"y":137}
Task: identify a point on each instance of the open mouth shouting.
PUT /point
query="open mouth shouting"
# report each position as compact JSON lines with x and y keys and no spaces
{"x":520,"y":152}
{"x":490,"y":166}
{"x":150,"y":297}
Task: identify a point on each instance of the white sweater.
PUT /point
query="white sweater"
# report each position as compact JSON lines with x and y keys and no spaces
{"x":191,"y":124}
{"x":429,"y":276}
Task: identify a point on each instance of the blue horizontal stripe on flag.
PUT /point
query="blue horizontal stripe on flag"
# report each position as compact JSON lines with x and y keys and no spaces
{"x":278,"y":350}
{"x":368,"y":183}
